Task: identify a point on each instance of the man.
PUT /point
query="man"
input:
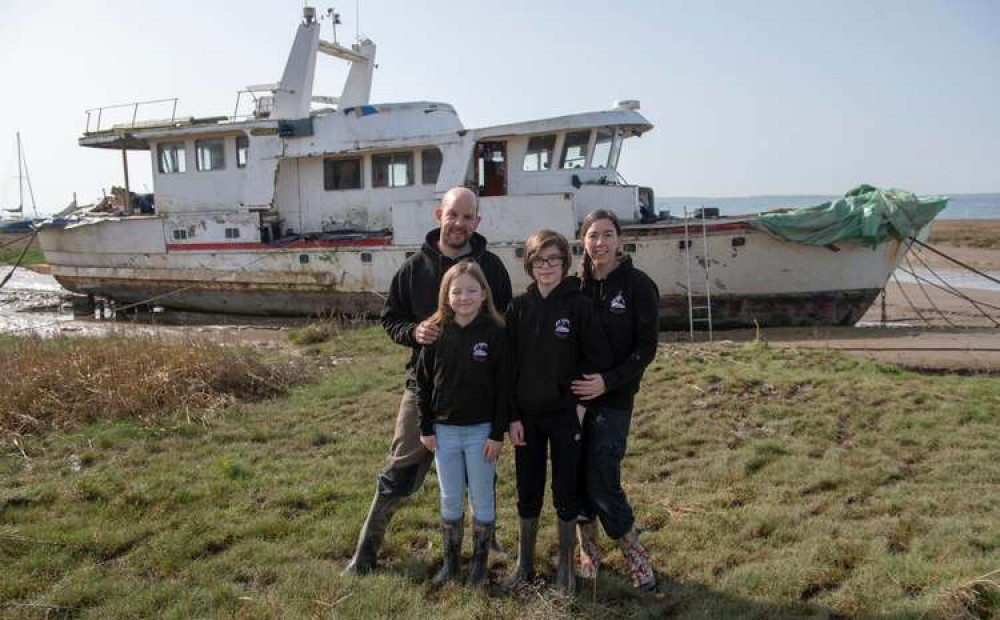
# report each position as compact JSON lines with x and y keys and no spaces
{"x":412,"y":299}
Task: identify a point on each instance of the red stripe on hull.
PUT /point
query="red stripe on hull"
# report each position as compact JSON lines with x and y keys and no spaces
{"x":296,"y":245}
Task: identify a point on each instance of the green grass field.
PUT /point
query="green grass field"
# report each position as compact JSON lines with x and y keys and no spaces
{"x":11,"y":246}
{"x":769,"y":484}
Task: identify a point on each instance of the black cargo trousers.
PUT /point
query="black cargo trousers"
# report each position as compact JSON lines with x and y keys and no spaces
{"x":562,"y":433}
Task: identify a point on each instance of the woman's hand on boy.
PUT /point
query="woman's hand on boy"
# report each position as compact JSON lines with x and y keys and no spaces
{"x":430,"y":442}
{"x":517,"y":434}
{"x":492,"y":450}
{"x":588,"y":388}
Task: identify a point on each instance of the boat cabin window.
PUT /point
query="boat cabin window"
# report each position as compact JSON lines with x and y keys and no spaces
{"x":539,"y":153}
{"x":180,"y":234}
{"x":430,"y":164}
{"x":342,"y":173}
{"x":392,"y":170}
{"x":210,"y":154}
{"x":242,"y":150}
{"x":602,"y":149}
{"x":170,"y":157}
{"x":574,"y":154}
{"x":232,"y":233}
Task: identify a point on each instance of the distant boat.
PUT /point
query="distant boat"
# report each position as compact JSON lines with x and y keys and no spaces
{"x":18,"y":223}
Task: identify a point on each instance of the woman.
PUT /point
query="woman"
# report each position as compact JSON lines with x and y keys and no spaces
{"x":627,"y":304}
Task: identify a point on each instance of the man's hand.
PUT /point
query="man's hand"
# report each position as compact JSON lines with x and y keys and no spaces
{"x":430,"y":442}
{"x":517,"y":434}
{"x":427,"y":332}
{"x":492,"y":450}
{"x":588,"y":388}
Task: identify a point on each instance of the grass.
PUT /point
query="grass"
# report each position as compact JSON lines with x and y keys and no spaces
{"x":11,"y":247}
{"x":769,"y":484}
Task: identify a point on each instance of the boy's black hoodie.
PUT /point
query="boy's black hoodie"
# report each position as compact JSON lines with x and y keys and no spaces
{"x":627,"y":303}
{"x":464,"y":377}
{"x":555,"y":340}
{"x":413,"y":293}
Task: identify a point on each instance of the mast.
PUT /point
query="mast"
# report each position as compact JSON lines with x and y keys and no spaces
{"x":20,"y":178}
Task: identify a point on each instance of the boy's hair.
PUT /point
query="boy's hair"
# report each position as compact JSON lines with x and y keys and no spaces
{"x":595,"y":216}
{"x":445,"y":313}
{"x":541,"y":240}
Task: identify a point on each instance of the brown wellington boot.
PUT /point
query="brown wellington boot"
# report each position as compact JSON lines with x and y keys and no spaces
{"x":640,"y":567}
{"x":372,"y":532}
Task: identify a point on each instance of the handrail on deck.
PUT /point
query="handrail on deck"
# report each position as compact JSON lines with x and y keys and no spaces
{"x":135,"y":112}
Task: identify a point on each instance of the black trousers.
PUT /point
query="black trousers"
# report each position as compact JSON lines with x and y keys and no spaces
{"x":605,"y":439}
{"x":562,"y":433}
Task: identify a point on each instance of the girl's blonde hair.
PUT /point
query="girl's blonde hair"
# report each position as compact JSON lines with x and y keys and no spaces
{"x":445,"y":314}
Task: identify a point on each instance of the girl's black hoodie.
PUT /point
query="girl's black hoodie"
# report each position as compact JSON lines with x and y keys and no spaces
{"x":555,"y":340}
{"x":464,"y":377}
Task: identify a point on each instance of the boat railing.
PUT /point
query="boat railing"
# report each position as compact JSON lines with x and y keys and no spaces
{"x":126,"y":115}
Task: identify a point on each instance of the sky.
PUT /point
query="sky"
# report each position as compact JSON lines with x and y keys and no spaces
{"x":747,"y":98}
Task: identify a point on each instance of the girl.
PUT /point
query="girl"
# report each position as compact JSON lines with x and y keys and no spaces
{"x":463,"y":392}
{"x":555,"y":336}
{"x":627,"y":305}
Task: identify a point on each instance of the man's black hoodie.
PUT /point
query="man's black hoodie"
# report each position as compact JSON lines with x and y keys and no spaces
{"x":464,"y":377}
{"x":627,"y":303}
{"x":413,"y":293}
{"x":555,"y":340}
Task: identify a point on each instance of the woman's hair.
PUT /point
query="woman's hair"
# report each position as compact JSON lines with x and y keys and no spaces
{"x":445,"y":313}
{"x":541,"y":240}
{"x":595,"y":216}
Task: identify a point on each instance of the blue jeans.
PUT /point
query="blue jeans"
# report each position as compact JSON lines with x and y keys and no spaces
{"x":459,"y":457}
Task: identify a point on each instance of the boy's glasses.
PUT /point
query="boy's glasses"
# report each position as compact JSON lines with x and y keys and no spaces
{"x":548,"y":261}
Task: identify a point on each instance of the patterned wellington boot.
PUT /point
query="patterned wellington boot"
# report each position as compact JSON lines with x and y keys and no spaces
{"x":590,"y":550}
{"x":451,"y":541}
{"x":640,"y":567}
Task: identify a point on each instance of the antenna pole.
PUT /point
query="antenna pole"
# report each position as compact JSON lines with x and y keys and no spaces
{"x":357,"y":21}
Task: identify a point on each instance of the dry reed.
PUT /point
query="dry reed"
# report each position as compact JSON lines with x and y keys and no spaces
{"x":64,"y":382}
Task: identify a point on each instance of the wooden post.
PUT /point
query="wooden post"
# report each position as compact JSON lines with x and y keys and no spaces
{"x":128,"y":193}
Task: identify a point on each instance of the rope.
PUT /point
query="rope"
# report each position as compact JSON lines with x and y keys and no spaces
{"x":907,"y":297}
{"x":948,"y":288}
{"x":954,"y":260}
{"x":20,"y":258}
{"x":927,"y":295}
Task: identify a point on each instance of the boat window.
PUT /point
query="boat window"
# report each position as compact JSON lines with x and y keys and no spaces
{"x":616,"y":148}
{"x":392,"y":169}
{"x":539,"y":153}
{"x":574,"y":154}
{"x":430,"y":165}
{"x":602,"y":149}
{"x":210,"y":154}
{"x":180,"y":234}
{"x":232,"y":233}
{"x":242,"y":150}
{"x":342,"y":173}
{"x":171,"y":157}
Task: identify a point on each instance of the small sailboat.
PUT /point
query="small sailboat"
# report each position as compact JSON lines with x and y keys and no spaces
{"x":14,"y":221}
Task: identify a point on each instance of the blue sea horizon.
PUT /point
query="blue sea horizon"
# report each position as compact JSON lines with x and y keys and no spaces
{"x":960,"y":206}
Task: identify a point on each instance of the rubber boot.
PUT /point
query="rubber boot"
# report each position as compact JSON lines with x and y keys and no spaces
{"x":640,"y":567}
{"x":372,"y":532}
{"x":524,"y":572}
{"x":590,"y":550}
{"x":451,"y":541}
{"x":565,"y":579}
{"x":481,"y":543}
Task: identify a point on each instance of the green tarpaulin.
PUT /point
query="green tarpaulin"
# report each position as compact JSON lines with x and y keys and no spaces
{"x":865,"y":215}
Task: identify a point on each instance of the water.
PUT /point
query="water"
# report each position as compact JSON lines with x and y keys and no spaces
{"x":958,"y":278}
{"x":33,"y":303}
{"x":960,"y":206}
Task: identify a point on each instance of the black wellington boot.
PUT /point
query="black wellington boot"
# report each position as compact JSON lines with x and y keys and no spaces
{"x":565,"y":579}
{"x":372,"y":532}
{"x":451,"y":540}
{"x":481,"y":543}
{"x":525,"y":570}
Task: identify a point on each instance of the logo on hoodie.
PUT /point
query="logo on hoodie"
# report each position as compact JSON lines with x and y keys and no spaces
{"x":480,"y":351}
{"x":563,"y":328}
{"x":618,"y":304}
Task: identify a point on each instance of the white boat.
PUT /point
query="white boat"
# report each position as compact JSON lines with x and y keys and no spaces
{"x":296,"y":210}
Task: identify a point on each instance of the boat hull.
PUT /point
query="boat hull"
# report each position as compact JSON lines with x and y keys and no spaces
{"x":754,"y":278}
